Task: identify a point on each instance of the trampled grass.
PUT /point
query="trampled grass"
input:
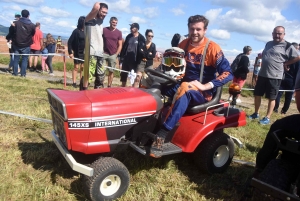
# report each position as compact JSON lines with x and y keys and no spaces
{"x":32,"y":168}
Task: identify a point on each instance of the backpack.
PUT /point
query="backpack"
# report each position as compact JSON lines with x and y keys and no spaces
{"x":235,"y":64}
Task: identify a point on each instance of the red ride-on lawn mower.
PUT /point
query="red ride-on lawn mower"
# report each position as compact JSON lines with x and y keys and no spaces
{"x":98,"y":121}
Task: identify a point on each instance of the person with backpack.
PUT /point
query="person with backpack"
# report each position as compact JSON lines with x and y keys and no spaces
{"x":239,"y":68}
{"x":276,"y":57}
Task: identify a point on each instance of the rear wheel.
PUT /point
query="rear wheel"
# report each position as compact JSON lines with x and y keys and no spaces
{"x":110,"y":180}
{"x":214,"y":154}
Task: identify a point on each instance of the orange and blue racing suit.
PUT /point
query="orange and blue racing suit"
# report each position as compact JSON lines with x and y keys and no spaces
{"x":217,"y":71}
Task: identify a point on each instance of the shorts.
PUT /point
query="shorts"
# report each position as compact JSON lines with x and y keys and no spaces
{"x":142,"y":66}
{"x":32,"y":51}
{"x":239,"y":81}
{"x":127,"y":67}
{"x":80,"y":55}
{"x":267,"y":86}
{"x":111,"y":61}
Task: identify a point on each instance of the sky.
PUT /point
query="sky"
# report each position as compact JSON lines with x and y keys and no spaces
{"x":233,"y":24}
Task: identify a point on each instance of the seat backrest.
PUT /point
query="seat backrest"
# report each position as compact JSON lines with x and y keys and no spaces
{"x":200,"y":108}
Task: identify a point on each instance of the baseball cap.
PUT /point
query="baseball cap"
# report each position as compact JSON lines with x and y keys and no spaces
{"x":135,"y":25}
{"x":18,"y":14}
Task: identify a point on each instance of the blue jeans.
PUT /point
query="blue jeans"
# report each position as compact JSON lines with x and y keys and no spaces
{"x":185,"y":95}
{"x":286,"y":84}
{"x":49,"y":63}
{"x":20,"y":50}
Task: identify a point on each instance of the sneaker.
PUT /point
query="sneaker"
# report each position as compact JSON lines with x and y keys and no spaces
{"x":238,"y":100}
{"x":99,"y":87}
{"x":51,"y":74}
{"x":254,"y":116}
{"x":230,"y":98}
{"x":265,"y":121}
{"x":282,"y":112}
{"x":32,"y":69}
{"x":293,"y":99}
{"x":74,"y":85}
{"x":275,"y":110}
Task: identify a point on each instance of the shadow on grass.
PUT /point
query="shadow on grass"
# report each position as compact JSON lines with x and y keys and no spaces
{"x":46,"y":157}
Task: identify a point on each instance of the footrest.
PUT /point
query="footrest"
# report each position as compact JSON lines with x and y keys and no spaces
{"x":167,"y":149}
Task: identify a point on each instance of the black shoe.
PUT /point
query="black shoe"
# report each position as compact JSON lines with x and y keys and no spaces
{"x":32,"y":69}
{"x":282,"y":112}
{"x":99,"y":87}
{"x":74,"y":85}
{"x":275,"y":110}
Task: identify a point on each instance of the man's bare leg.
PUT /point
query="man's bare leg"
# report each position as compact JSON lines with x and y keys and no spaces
{"x":110,"y":78}
{"x":257,"y":102}
{"x":137,"y":80}
{"x":271,"y":105}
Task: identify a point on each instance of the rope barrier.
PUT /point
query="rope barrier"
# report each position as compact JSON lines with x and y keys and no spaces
{"x":131,"y":74}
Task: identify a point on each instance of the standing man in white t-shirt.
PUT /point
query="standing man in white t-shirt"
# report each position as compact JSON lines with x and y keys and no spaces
{"x":96,"y":17}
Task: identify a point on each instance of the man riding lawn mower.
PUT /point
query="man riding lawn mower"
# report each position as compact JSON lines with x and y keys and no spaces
{"x":99,"y":121}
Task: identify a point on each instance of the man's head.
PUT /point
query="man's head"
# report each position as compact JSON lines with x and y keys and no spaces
{"x":102,"y":11}
{"x":17,"y":15}
{"x":80,"y":23}
{"x":113,"y":22}
{"x":38,"y":25}
{"x":25,"y":13}
{"x":296,"y":45}
{"x":197,"y":26}
{"x":278,"y":34}
{"x":134,"y":27}
{"x":247,"y":50}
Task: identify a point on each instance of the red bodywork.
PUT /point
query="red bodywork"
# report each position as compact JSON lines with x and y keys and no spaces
{"x":90,"y":118}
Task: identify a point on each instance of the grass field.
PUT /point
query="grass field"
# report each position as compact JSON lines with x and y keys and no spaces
{"x":33,"y":169}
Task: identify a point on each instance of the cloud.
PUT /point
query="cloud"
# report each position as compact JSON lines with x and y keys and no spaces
{"x":151,"y":12}
{"x":177,"y":11}
{"x":54,"y":12}
{"x":212,"y":14}
{"x":27,"y":2}
{"x":137,"y":20}
{"x":220,"y":34}
{"x":256,"y":18}
{"x":63,"y":24}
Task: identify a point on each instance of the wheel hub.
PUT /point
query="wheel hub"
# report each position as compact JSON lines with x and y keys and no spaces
{"x":110,"y":185}
{"x":221,"y":156}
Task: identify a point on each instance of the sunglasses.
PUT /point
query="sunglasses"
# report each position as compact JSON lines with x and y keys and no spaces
{"x":151,"y":36}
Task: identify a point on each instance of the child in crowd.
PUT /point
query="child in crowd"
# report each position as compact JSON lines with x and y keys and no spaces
{"x":50,"y":45}
{"x":44,"y":57}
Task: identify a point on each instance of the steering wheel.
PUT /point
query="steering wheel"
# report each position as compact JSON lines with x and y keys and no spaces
{"x":162,"y":75}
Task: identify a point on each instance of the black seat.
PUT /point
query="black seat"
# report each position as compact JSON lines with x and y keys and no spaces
{"x":200,"y":108}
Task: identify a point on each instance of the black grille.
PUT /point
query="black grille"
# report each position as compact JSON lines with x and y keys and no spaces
{"x":58,"y":125}
{"x":56,"y":105}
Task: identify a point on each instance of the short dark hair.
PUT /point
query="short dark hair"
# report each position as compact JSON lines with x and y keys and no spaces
{"x":198,"y":18}
{"x":80,"y":23}
{"x":148,"y":31}
{"x":103,"y":5}
{"x":25,"y":13}
{"x":279,"y":27}
{"x":247,"y":49}
{"x":37,"y":24}
{"x":113,"y":18}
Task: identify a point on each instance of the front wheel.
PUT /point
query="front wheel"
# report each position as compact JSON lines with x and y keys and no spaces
{"x":214,"y":154}
{"x":110,"y":180}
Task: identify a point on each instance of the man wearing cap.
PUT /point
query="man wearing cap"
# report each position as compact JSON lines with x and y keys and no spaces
{"x":9,"y":40}
{"x":22,"y":34}
{"x":130,"y":56}
{"x":36,"y":47}
{"x":95,"y":18}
